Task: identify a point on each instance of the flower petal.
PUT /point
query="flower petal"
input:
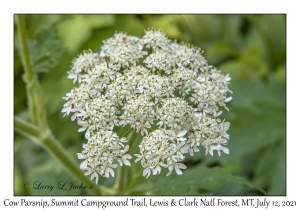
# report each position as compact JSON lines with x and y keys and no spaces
{"x":179,"y":166}
{"x":226,"y":125}
{"x":146,"y":172}
{"x":225,"y":150}
{"x":181,"y":133}
{"x":95,"y":175}
{"x":82,"y":129}
{"x":83,"y":165}
{"x":80,"y":156}
{"x":124,"y":159}
{"x":109,"y":171}
{"x":228,"y":99}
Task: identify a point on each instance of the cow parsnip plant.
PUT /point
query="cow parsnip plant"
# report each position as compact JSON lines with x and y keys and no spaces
{"x":238,"y":45}
{"x":163,"y":90}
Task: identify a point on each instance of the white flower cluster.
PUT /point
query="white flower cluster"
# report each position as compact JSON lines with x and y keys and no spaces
{"x":160,"y":88}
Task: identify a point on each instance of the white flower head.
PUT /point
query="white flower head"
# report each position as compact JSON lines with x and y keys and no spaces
{"x":164,"y":90}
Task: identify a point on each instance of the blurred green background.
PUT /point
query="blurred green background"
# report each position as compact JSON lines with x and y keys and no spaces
{"x":251,"y":48}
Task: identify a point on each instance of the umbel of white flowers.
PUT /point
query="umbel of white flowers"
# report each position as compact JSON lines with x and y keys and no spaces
{"x":162,"y":89}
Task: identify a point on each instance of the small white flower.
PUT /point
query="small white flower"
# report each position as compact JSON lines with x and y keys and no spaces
{"x":94,"y":175}
{"x":108,"y":170}
{"x":179,"y":166}
{"x":122,"y":157}
{"x":146,"y":172}
{"x":226,"y":125}
{"x":219,"y":148}
{"x":93,"y":172}
{"x":83,"y":165}
{"x":156,"y":170}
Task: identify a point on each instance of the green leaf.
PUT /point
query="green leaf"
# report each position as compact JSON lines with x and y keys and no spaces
{"x":258,"y":124}
{"x":269,"y":175}
{"x":46,"y":50}
{"x":258,"y":133}
{"x":247,"y":94}
{"x":272,"y":30}
{"x":76,"y":30}
{"x":196,"y":181}
{"x":251,"y":131}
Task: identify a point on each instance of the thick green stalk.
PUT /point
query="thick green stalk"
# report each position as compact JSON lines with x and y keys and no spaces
{"x":121,"y":176}
{"x":26,"y":129}
{"x":49,"y":142}
{"x":33,"y":89}
{"x":24,"y":48}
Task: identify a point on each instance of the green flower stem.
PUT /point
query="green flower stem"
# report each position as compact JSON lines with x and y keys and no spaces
{"x":26,"y":129}
{"x":126,"y":133}
{"x":121,"y":176}
{"x":119,"y":185}
{"x":26,"y":64}
{"x":127,"y":180}
{"x":24,"y":48}
{"x":49,"y":142}
{"x":33,"y":89}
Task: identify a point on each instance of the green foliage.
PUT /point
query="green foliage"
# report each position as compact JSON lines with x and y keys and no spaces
{"x":251,"y":48}
{"x":258,"y":127}
{"x":267,"y":173}
{"x":78,"y":29}
{"x":196,"y":181}
{"x":45,"y":50}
